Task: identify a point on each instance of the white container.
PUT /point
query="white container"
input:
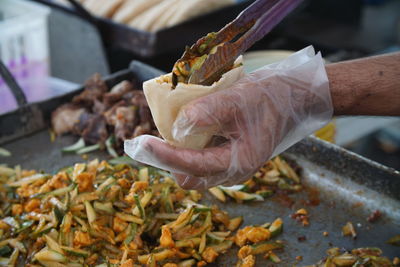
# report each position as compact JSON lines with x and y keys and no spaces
{"x":24,"y":48}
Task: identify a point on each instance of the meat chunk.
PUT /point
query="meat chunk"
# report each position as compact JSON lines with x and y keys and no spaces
{"x":4,"y":226}
{"x":116,"y":93}
{"x":95,"y":87}
{"x":85,"y":181}
{"x":253,"y":234}
{"x":111,"y":113}
{"x":166,"y":240}
{"x":99,"y":107}
{"x":82,"y":122}
{"x":27,"y":190}
{"x":258,"y":234}
{"x":95,"y":131}
{"x":244,"y":252}
{"x":145,"y":115}
{"x":144,"y":128}
{"x":127,"y":263}
{"x":135,"y":98}
{"x":209,"y":255}
{"x":95,"y":114}
{"x":82,"y":239}
{"x":92,"y":127}
{"x":16,"y":209}
{"x":119,"y":225}
{"x":249,"y":261}
{"x":59,"y":180}
{"x":125,"y":122}
{"x":32,"y":205}
{"x":65,"y":117}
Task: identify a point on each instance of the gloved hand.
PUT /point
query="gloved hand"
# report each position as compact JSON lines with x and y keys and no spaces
{"x":263,"y":114}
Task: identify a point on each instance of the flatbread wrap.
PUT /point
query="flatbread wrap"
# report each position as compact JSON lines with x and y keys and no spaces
{"x":165,"y":103}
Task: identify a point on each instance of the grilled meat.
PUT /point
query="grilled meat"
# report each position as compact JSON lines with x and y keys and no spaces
{"x":65,"y":117}
{"x":98,"y":113}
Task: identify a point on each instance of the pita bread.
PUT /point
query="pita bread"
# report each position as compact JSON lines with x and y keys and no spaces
{"x":163,"y":19}
{"x":103,"y":8}
{"x":109,"y":7}
{"x":165,"y":104}
{"x":146,"y":19}
{"x":132,"y":8}
{"x":93,"y":6}
{"x":192,"y":8}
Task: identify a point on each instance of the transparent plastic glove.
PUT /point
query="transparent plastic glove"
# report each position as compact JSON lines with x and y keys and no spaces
{"x":260,"y":116}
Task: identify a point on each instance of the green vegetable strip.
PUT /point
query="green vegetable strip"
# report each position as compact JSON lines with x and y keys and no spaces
{"x":139,"y":205}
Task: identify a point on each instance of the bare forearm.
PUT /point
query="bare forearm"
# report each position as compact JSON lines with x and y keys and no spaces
{"x":368,"y":86}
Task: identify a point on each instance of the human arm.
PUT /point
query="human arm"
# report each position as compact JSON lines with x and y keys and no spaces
{"x":367,"y":86}
{"x":267,"y":111}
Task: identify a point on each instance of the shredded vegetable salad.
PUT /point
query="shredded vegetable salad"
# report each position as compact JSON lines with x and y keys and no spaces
{"x":104,"y":214}
{"x":108,"y":214}
{"x":276,"y":175}
{"x":366,"y":257}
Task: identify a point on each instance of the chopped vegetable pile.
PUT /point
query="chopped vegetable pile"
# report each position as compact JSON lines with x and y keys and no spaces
{"x":366,"y":257}
{"x":107,"y":214}
{"x":257,"y":237}
{"x":101,"y":214}
{"x":275,"y":175}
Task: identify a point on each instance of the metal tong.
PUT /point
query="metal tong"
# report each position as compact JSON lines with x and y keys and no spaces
{"x":214,"y":54}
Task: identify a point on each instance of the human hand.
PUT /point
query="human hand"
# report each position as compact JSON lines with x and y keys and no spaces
{"x":263,"y":114}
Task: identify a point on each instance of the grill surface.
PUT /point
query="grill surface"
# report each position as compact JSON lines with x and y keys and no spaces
{"x":349,"y":186}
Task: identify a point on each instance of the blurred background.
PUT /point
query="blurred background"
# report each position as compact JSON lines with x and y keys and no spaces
{"x":51,"y":47}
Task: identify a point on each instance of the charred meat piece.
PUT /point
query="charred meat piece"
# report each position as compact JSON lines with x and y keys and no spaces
{"x":99,"y":107}
{"x":96,"y":130}
{"x":116,"y":93}
{"x":65,"y":117}
{"x":376,"y":215}
{"x":135,"y":98}
{"x":82,"y":122}
{"x":138,"y":99}
{"x":144,"y":128}
{"x":95,"y":87}
{"x":111,"y":114}
{"x":126,"y":120}
{"x":97,"y":113}
{"x":145,"y":115}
